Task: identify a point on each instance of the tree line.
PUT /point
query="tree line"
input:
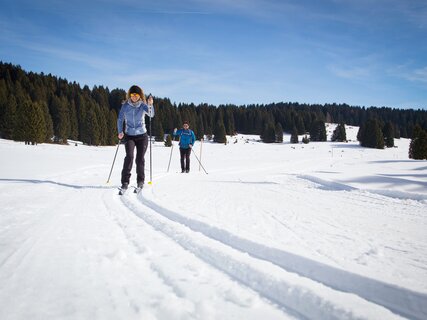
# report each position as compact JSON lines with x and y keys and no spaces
{"x":44,"y":108}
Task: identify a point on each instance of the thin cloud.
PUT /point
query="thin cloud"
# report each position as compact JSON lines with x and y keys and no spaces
{"x":356,"y":67}
{"x":176,"y":12}
{"x":264,"y":9}
{"x":192,"y":86}
{"x":87,"y":59}
{"x":178,"y":79}
{"x":408,"y":72}
{"x":350,"y":73}
{"x":419,"y":75}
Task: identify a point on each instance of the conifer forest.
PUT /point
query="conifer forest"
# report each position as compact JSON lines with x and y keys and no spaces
{"x":38,"y":108}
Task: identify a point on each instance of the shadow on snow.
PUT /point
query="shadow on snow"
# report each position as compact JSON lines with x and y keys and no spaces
{"x":67,"y":185}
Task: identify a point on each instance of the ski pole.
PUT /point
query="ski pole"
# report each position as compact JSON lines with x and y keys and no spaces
{"x":151,"y":153}
{"x":170,"y":157}
{"x":114,"y":160}
{"x":201,"y":146}
{"x":199,"y":161}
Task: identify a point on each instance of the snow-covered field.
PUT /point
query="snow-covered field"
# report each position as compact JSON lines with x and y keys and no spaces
{"x":274,"y":231}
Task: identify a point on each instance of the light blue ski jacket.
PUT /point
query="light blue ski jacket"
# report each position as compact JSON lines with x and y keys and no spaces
{"x":133,"y":114}
{"x":187,"y":137}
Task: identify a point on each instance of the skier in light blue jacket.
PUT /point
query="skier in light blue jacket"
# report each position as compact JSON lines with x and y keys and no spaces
{"x":133,"y":113}
{"x":186,"y":142}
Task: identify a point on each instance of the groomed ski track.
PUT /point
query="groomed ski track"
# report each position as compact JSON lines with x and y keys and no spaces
{"x":72,"y":248}
{"x":303,"y":287}
{"x":84,"y":255}
{"x":296,"y":287}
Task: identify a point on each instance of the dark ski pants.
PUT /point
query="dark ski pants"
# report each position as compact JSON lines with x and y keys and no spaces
{"x":185,"y":158}
{"x":141,"y":143}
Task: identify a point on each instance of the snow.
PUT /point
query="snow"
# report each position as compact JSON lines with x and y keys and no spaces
{"x":276,"y":231}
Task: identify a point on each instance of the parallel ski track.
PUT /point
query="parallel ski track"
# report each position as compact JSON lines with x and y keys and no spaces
{"x":399,"y":300}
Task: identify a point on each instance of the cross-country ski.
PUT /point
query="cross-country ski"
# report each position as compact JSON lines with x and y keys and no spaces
{"x":122,"y":191}
{"x":137,"y":190}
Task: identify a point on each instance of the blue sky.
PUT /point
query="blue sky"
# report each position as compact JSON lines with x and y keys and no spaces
{"x":360,"y":52}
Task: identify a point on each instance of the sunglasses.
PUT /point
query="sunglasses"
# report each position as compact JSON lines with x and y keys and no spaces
{"x":134,"y":95}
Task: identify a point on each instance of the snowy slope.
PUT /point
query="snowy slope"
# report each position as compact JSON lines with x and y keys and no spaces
{"x":274,"y":231}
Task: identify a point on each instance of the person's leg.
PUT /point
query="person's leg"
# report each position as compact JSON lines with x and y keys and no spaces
{"x":182,"y":152}
{"x":141,"y":148}
{"x":187,"y":159}
{"x":127,"y":164}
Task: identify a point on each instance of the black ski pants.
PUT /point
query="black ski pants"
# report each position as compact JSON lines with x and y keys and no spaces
{"x":141,"y":143}
{"x":185,"y":158}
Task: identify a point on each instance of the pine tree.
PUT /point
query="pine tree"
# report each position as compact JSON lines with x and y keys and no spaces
{"x":73,"y":123}
{"x":279,"y":132}
{"x":388,"y":133}
{"x":37,"y":124}
{"x":418,"y":145}
{"x":168,"y":142}
{"x":93,"y":128}
{"x":268,"y":134}
{"x":20,"y":132}
{"x":102,"y":116}
{"x":48,"y":122}
{"x":300,"y":125}
{"x":229,"y":121}
{"x":370,"y":135}
{"x":219,"y":133}
{"x":82,"y":119}
{"x":294,"y":135}
{"x":32,"y":128}
{"x":8,"y":118}
{"x":177,"y":120}
{"x":289,"y":121}
{"x":116,"y":98}
{"x":60,"y":115}
{"x":3,"y":104}
{"x":318,"y":131}
{"x":112,"y":128}
{"x":339,"y":133}
{"x":160,"y":133}
{"x":305,"y":140}
{"x":200,"y":128}
{"x":397,"y":134}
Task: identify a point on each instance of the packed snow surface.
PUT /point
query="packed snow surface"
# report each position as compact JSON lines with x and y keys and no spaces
{"x":270,"y":231}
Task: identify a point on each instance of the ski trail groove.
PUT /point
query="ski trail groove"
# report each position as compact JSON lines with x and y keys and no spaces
{"x":399,"y":300}
{"x":283,"y":290}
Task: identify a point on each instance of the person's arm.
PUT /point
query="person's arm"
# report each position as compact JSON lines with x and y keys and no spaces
{"x":176,"y":132}
{"x":193,"y":138}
